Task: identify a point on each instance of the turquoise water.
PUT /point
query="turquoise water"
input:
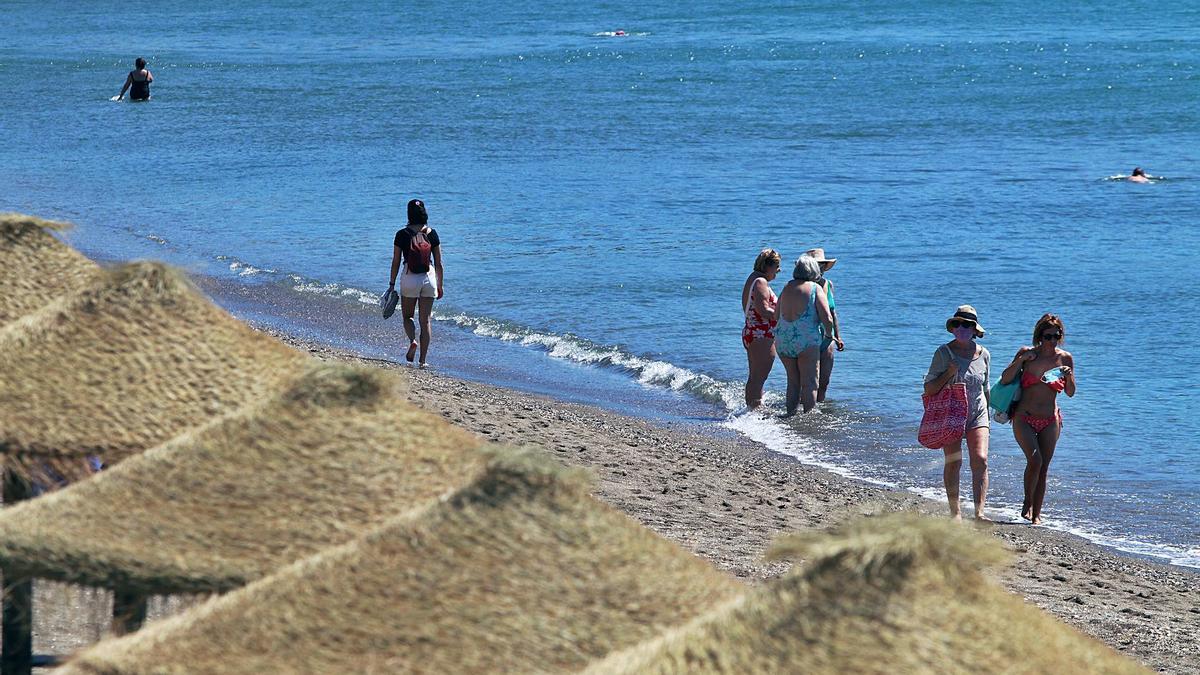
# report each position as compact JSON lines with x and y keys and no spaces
{"x":601,"y":199}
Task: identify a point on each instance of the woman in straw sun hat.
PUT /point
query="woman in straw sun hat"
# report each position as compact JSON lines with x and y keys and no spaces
{"x":758,"y":329}
{"x":833,"y":341}
{"x":962,"y":361}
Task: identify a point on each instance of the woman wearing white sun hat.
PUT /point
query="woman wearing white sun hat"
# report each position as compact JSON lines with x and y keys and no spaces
{"x":825,"y":368}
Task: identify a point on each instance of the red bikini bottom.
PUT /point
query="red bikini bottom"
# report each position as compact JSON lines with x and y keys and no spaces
{"x":1040,"y":423}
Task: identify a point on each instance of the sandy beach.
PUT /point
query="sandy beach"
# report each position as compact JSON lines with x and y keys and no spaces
{"x":726,"y":498}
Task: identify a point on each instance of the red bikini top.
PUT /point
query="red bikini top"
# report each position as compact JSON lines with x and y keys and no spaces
{"x":1029,"y":379}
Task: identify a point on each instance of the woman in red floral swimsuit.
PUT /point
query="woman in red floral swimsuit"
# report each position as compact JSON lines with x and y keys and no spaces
{"x":758,"y":333}
{"x":1045,"y":371}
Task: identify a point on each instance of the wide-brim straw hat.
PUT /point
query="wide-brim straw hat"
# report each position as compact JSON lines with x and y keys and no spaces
{"x":966,"y":313}
{"x":35,"y":267}
{"x":331,"y":457}
{"x":132,"y":360}
{"x":819,"y":255}
{"x":898,"y":594}
{"x":521,"y":570}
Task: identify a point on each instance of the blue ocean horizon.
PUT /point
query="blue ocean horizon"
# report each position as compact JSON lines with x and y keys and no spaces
{"x":601,"y":198}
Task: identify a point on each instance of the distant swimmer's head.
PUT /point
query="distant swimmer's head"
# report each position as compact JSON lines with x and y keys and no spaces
{"x":1138,"y":171}
{"x":139,"y":63}
{"x":417,"y":215}
{"x":807,"y":269}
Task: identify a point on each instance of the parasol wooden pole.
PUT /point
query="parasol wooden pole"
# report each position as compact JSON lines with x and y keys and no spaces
{"x":17,"y":657}
{"x":129,"y":611}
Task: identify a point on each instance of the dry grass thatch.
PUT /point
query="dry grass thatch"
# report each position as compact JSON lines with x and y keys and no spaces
{"x":519,"y":571}
{"x":35,"y":267}
{"x":898,"y":594}
{"x":132,"y":360}
{"x":334,"y":455}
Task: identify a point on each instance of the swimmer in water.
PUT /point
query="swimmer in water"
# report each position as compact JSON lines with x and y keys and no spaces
{"x":1138,"y":176}
{"x":137,"y":83}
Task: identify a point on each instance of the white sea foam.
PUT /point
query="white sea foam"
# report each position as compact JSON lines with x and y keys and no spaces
{"x":243,"y":269}
{"x":648,"y":371}
{"x":775,"y":435}
{"x":303,"y":285}
{"x":1176,"y":555}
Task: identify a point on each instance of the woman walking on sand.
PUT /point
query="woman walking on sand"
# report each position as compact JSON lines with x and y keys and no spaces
{"x":1045,"y":370}
{"x":963,"y":361}
{"x":137,"y":82}
{"x":758,"y":331}
{"x":833,"y":340}
{"x":804,"y":321}
{"x":418,"y":249}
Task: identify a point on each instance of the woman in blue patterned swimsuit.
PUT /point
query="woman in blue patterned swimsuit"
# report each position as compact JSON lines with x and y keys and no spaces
{"x":798,"y":338}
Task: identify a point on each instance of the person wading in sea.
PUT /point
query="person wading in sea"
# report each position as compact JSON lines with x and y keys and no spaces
{"x":825,"y":368}
{"x":137,"y":83}
{"x":1138,"y":176}
{"x":758,"y":329}
{"x":798,"y":339}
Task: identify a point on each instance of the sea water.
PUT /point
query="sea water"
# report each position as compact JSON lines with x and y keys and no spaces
{"x":601,"y":198}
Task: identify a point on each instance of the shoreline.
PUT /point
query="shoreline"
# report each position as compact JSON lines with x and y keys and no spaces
{"x":621,"y":386}
{"x":726,"y":498}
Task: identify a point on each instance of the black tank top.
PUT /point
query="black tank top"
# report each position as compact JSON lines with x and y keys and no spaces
{"x":138,"y":90}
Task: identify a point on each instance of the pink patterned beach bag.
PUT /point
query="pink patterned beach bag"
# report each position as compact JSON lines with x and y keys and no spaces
{"x":945,"y":418}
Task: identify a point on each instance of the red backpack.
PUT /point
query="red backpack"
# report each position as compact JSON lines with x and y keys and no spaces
{"x":419,"y":252}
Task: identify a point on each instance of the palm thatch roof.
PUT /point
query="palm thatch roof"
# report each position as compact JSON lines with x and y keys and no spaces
{"x":332,"y":456}
{"x":133,"y":359}
{"x":519,"y":571}
{"x":899,"y":594}
{"x":35,"y":267}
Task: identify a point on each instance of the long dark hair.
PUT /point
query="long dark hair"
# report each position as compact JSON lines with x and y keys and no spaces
{"x":417,"y":215}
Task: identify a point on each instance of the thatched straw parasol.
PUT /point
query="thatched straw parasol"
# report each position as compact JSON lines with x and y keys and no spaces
{"x":132,"y":360}
{"x":35,"y":267}
{"x":331,"y":457}
{"x":519,"y":571}
{"x":899,"y":594}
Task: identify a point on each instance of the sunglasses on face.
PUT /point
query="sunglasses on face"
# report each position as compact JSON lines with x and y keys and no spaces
{"x":961,"y":324}
{"x":1051,"y":336}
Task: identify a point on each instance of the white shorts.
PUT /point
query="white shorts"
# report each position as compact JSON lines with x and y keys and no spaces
{"x":413,"y":285}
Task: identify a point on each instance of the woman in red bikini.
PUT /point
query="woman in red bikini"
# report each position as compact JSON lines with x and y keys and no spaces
{"x":758,"y":332}
{"x":1045,"y":370}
